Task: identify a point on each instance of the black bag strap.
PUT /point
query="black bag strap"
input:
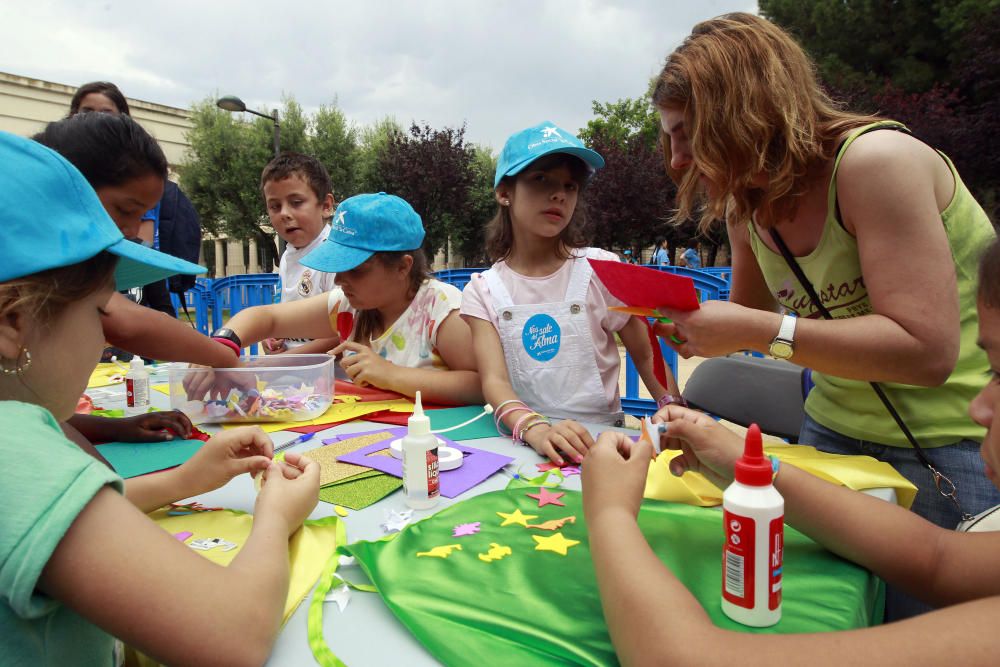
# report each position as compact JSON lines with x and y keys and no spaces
{"x":944,"y":485}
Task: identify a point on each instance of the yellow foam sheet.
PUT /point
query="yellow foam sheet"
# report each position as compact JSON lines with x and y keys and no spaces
{"x":338,"y":412}
{"x":308,"y":550}
{"x":332,"y":470}
{"x":854,"y":472}
{"x":103,"y":374}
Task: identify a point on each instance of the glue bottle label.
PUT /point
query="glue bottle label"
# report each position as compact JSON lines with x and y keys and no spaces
{"x":433,"y":481}
{"x":777,"y":551}
{"x":738,"y":560}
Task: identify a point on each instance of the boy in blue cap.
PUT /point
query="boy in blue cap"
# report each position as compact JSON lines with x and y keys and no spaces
{"x":79,"y":563}
{"x":543,"y":333}
{"x":400,"y":329}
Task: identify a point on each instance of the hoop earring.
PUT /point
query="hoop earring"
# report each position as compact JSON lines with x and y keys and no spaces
{"x":18,"y":368}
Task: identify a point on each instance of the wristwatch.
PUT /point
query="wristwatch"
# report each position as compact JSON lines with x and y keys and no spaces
{"x":783,"y":345}
{"x":670,"y":399}
{"x":228,"y":338}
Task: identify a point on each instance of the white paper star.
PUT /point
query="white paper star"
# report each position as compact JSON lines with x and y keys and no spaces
{"x":396,"y":521}
{"x":341,"y":595}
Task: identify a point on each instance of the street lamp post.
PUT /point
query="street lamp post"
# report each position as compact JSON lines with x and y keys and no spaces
{"x":233,"y":103}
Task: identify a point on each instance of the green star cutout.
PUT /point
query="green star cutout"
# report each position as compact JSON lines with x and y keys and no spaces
{"x":557,"y":543}
{"x":516,"y":517}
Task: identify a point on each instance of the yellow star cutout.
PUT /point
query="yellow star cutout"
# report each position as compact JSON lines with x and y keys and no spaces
{"x":516,"y":517}
{"x":556,"y":543}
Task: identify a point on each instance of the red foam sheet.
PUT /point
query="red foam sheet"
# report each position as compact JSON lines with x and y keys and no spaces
{"x":646,"y":288}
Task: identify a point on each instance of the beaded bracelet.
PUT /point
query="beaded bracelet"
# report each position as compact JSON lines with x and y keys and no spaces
{"x":522,"y":420}
{"x":530,"y":425}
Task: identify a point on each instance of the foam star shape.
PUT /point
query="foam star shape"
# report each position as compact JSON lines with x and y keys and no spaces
{"x":464,"y":529}
{"x":516,"y":517}
{"x":546,"y":497}
{"x":552,"y":524}
{"x":557,"y":543}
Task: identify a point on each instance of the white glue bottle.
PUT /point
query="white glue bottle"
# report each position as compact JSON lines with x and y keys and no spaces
{"x":754,"y":516}
{"x":136,"y":389}
{"x":420,"y":460}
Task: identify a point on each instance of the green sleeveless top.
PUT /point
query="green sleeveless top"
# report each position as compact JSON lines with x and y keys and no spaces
{"x":936,"y":415}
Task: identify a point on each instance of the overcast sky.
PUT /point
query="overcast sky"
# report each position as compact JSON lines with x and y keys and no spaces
{"x":496,"y":66}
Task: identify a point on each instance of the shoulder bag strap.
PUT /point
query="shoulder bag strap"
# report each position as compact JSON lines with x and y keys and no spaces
{"x":944,"y":485}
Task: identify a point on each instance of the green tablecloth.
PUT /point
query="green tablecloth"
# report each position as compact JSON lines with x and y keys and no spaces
{"x":539,"y":608}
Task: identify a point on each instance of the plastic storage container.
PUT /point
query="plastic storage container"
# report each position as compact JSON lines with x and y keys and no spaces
{"x":286,"y":387}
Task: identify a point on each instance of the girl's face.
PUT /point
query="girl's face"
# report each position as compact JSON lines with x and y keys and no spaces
{"x":542,"y":202}
{"x":374,"y":284}
{"x":127,"y":202}
{"x":985,"y":407}
{"x":64,"y":352}
{"x":97,"y":102}
{"x":673,"y":123}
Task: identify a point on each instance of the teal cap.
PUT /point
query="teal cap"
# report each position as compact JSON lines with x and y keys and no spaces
{"x":528,"y":145}
{"x":364,"y":225}
{"x":50,"y":217}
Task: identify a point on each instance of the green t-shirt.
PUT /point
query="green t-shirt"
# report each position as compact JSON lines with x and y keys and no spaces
{"x":936,"y":416}
{"x":45,"y":484}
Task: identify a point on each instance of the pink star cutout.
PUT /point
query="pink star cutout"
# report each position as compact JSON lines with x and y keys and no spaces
{"x":571,"y":470}
{"x":546,"y":497}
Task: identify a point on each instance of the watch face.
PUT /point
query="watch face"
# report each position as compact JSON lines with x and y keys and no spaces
{"x":781,"y":349}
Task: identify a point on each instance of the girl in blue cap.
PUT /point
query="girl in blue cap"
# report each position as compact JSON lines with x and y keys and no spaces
{"x":543,"y":334}
{"x":80,"y":564}
{"x":400,"y":329}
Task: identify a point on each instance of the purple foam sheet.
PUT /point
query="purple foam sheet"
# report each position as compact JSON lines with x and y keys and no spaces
{"x":477,"y":466}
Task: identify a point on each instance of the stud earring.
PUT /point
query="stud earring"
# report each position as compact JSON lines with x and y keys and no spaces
{"x":18,"y":366}
{"x":506,"y":202}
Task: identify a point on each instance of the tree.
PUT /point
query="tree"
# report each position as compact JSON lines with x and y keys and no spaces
{"x":432,"y":170}
{"x":335,"y":143}
{"x":620,"y":121}
{"x":468,"y":236}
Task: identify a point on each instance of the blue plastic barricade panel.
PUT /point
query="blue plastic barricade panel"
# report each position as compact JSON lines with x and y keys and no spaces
{"x":234,"y":293}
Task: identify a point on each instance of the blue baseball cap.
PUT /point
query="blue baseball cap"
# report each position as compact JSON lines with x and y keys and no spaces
{"x":528,"y":145}
{"x":364,"y":225}
{"x":50,"y":217}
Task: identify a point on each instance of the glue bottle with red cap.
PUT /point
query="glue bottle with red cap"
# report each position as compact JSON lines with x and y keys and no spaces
{"x":754,"y":516}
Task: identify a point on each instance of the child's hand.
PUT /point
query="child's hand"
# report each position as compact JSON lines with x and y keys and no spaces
{"x":290,"y":489}
{"x":614,"y":475}
{"x":216,"y":383}
{"x":567,"y":436}
{"x":150,"y":427}
{"x":275,"y":345}
{"x":364,"y":366}
{"x":225,"y":456}
{"x":706,"y":445}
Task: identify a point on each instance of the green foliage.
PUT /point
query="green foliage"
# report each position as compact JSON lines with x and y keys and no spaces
{"x":620,"y":121}
{"x":335,"y":143}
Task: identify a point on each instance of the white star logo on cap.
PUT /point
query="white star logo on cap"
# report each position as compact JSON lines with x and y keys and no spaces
{"x":550,"y":131}
{"x":339,"y":221}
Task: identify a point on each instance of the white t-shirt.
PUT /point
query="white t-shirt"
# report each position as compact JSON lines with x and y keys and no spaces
{"x":523,"y":290}
{"x":301,"y":282}
{"x":410,"y":341}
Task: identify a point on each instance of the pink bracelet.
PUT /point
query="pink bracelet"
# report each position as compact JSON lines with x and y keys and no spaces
{"x":498,"y":417}
{"x":515,"y":434}
{"x":230,"y":344}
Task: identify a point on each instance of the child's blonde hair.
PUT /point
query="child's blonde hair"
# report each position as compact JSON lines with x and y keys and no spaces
{"x":44,"y":296}
{"x":752,"y":105}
